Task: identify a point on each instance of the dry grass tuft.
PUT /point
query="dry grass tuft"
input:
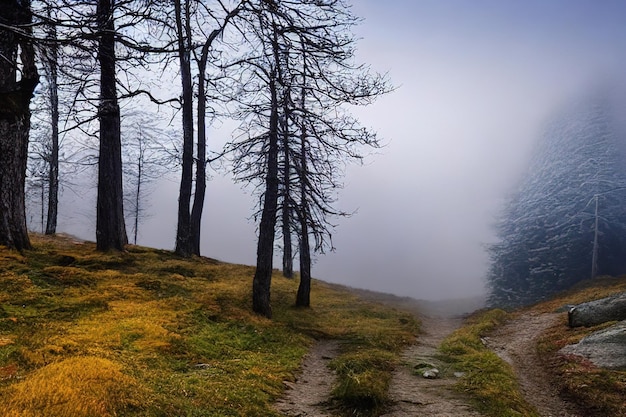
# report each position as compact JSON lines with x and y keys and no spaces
{"x":75,"y":387}
{"x":488,"y":379}
{"x":584,"y":291}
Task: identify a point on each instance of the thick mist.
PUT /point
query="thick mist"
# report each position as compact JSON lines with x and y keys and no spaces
{"x":475,"y":83}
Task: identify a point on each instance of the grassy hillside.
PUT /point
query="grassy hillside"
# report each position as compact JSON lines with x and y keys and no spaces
{"x":492,"y":383}
{"x":145,"y":333}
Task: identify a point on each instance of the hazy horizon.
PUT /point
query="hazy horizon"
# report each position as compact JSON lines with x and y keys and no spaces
{"x":475,"y":83}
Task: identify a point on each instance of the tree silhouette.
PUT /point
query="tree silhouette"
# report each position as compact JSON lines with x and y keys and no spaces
{"x":292,"y":89}
{"x":18,"y":78}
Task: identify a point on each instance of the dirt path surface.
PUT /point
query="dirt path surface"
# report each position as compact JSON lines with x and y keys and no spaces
{"x":309,"y":394}
{"x":413,"y":395}
{"x":515,"y":342}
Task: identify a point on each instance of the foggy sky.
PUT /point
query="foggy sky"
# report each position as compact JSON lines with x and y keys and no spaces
{"x":475,"y":81}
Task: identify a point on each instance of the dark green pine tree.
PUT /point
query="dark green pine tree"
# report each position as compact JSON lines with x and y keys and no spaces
{"x":566,"y":222}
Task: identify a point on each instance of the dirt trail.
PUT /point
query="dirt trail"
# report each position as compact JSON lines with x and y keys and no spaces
{"x":515,"y":342}
{"x":308,"y":395}
{"x":413,"y":395}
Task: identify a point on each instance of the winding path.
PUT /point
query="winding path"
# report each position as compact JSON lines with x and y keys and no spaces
{"x":412,"y":395}
{"x":516,"y":343}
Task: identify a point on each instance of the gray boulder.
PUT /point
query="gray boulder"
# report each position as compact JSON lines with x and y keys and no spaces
{"x":605,"y":348}
{"x":598,"y":311}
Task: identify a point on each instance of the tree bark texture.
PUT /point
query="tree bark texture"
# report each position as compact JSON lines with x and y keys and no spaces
{"x":200,"y":192}
{"x":303,"y":297}
{"x":14,"y":121}
{"x":286,"y":208}
{"x":110,"y":226}
{"x":137,"y":208}
{"x":265,"y":248}
{"x":53,"y":173}
{"x":184,"y":239}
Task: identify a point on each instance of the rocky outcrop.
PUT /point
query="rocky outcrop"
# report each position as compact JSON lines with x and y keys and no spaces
{"x":598,"y":311}
{"x":605,"y":348}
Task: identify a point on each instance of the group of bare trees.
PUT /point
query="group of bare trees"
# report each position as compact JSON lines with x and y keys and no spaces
{"x":284,"y":69}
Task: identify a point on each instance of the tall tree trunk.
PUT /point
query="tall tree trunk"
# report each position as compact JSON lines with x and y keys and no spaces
{"x":265,"y":249}
{"x":53,"y":173}
{"x":286,"y":208}
{"x":195,"y":220}
{"x":14,"y":121}
{"x":184,"y":241}
{"x":199,"y":195}
{"x":303,"y":298}
{"x":42,"y":190}
{"x":110,"y":226}
{"x":137,"y":207}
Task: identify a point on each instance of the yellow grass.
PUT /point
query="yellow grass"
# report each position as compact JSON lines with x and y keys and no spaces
{"x":75,"y":387}
{"x":146,"y":333}
{"x":488,"y":379}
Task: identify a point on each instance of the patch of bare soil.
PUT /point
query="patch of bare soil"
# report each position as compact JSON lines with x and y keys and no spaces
{"x":413,"y":395}
{"x":310,"y":393}
{"x":516,"y":342}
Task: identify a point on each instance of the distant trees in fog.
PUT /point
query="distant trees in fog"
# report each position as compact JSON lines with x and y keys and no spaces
{"x":566,"y":221}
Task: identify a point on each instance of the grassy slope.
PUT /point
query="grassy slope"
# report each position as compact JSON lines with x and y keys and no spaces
{"x":145,"y":333}
{"x":491,"y":381}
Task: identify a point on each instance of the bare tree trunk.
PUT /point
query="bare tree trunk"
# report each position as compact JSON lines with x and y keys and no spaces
{"x":195,"y":226}
{"x":200,"y":192}
{"x":286,"y":209}
{"x":137,"y":210}
{"x":14,"y":122}
{"x":594,"y":253}
{"x":303,"y":298}
{"x":265,"y":249}
{"x":53,"y":173}
{"x":42,"y":185}
{"x":183,"y":232}
{"x":110,"y":226}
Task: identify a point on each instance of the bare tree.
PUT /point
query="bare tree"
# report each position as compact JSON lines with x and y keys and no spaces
{"x":190,"y":214}
{"x":146,"y":159}
{"x":293,"y":94}
{"x":50,"y":60}
{"x":18,"y":78}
